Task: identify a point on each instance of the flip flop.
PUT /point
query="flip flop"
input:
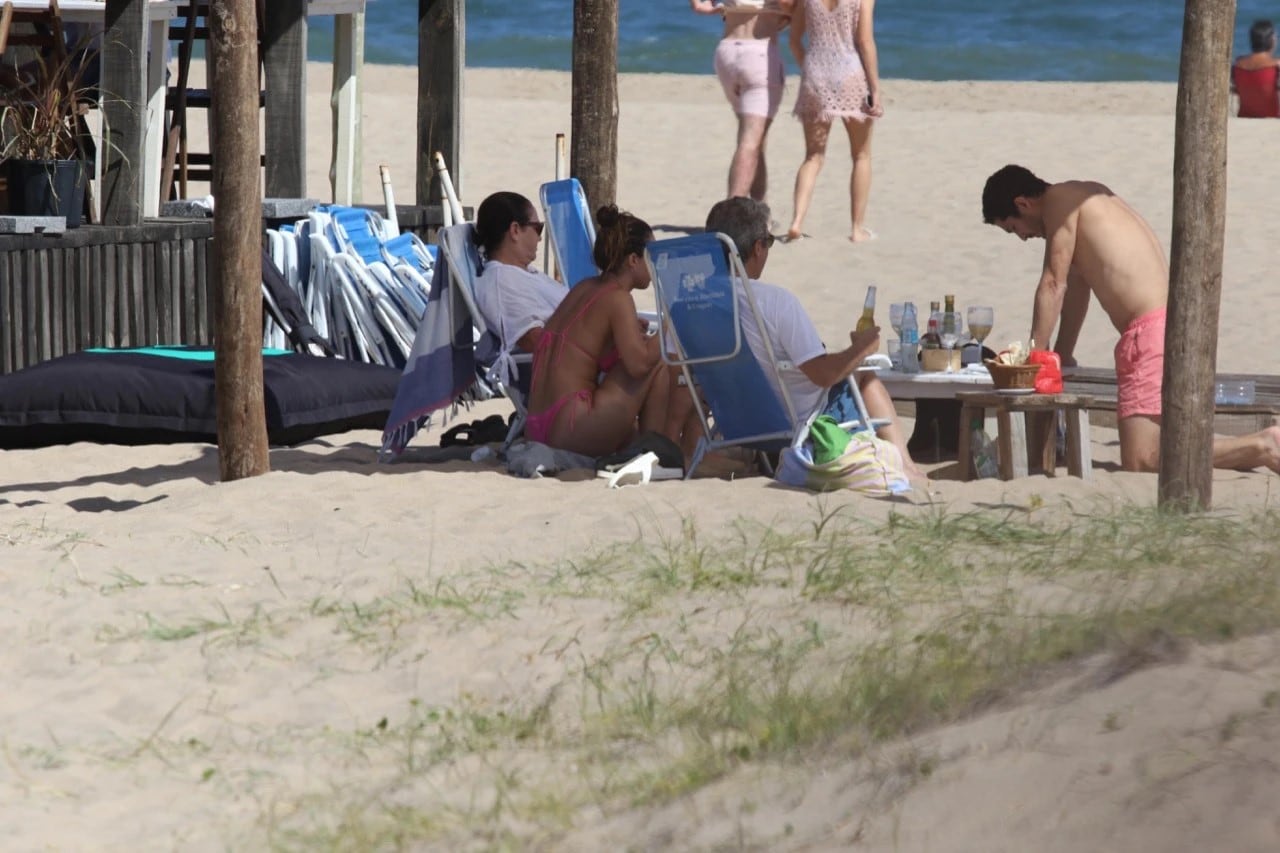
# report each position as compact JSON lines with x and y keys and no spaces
{"x":491,"y":429}
{"x":669,"y":463}
{"x":458,"y":435}
{"x":637,"y":472}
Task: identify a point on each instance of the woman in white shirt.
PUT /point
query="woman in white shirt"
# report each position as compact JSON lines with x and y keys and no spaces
{"x":514,"y":299}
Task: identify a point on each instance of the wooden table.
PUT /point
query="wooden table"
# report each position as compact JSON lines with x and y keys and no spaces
{"x":1028,"y":432}
{"x":934,"y":385}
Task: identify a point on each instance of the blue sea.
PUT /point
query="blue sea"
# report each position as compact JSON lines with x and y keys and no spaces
{"x":917,"y":39}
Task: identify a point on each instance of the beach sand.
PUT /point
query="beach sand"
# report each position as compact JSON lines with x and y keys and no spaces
{"x":195,"y":665}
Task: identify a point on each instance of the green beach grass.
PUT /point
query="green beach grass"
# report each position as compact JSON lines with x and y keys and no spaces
{"x":771,"y":646}
{"x":512,"y":706}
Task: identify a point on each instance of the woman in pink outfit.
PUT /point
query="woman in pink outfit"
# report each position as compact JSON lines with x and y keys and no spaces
{"x":840,"y":80}
{"x":749,"y":65}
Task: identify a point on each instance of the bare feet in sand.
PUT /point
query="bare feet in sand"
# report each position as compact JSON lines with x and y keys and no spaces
{"x":861,"y":235}
{"x":793,"y":234}
{"x":1269,"y":450}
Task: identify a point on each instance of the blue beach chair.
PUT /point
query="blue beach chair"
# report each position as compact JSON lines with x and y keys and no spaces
{"x":698,"y":281}
{"x":572,"y":232}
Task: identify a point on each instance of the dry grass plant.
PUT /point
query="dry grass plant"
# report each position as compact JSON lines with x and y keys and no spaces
{"x":683,"y":659}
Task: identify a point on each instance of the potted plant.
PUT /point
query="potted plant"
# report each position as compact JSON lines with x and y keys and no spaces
{"x":40,"y":136}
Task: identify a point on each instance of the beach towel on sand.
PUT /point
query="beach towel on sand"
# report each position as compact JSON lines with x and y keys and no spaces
{"x":865,"y":463}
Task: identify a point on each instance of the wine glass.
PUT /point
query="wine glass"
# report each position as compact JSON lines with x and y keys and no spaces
{"x":895,"y":318}
{"x":950,"y":332}
{"x":981,"y":318}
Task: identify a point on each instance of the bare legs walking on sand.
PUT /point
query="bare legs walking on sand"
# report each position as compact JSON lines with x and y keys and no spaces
{"x":816,"y":135}
{"x":748,"y":175}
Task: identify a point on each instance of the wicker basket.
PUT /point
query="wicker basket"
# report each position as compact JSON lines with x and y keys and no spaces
{"x":1010,"y":376}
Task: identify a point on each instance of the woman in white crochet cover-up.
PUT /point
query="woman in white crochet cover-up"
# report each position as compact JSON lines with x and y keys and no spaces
{"x":840,"y":80}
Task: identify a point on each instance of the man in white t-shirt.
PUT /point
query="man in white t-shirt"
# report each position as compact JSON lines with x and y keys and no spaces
{"x":818,"y":379}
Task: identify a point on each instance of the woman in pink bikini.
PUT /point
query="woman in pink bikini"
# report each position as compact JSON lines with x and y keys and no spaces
{"x":841,"y":80}
{"x":595,"y":371}
{"x":749,"y":65}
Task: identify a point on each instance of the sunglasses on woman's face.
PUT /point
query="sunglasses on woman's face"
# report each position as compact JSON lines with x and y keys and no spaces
{"x":536,"y":226}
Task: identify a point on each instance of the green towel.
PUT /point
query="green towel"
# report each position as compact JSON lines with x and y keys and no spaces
{"x":829,"y":440}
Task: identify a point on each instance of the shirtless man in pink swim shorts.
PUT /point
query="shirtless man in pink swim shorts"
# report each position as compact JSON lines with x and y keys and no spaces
{"x":1097,"y":244}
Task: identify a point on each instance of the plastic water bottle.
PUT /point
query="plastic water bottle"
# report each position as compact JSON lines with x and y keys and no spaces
{"x":910,"y":339}
{"x":984,"y":451}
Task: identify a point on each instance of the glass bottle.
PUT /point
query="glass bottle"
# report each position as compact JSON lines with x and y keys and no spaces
{"x":868,"y":318}
{"x":932,"y":339}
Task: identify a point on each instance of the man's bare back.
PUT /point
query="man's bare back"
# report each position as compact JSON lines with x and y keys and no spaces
{"x":1116,"y":254}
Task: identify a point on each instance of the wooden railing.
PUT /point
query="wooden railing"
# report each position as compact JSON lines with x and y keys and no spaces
{"x":99,"y":286}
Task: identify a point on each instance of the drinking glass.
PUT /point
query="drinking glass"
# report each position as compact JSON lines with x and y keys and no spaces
{"x":981,"y":318}
{"x":895,"y":317}
{"x":950,"y":329}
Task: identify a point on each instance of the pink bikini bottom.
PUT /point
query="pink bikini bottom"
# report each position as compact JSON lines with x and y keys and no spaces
{"x":538,"y":427}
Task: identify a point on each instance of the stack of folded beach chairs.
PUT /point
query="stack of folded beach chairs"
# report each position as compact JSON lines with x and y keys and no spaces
{"x":364,"y":285}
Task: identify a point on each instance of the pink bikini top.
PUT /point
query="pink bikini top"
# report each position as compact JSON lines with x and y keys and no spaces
{"x":549,"y":339}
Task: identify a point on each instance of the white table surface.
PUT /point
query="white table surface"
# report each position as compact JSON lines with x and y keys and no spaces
{"x":935,"y":385}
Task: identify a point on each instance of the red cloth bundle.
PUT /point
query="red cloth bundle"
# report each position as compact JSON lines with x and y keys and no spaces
{"x":1049,"y":379}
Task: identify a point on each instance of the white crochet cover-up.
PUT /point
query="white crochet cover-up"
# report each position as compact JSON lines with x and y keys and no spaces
{"x":834,"y":83}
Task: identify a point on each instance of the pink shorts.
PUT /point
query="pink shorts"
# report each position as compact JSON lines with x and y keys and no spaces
{"x":1140,"y":366}
{"x":751,"y":72}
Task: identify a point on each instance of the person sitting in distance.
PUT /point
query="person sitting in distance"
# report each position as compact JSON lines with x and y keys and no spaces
{"x":1255,"y":77}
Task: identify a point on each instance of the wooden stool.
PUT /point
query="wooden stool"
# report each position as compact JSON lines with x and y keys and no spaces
{"x":1038,"y":424}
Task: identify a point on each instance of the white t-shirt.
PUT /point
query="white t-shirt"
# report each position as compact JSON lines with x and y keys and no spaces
{"x":512,"y":300}
{"x":793,"y":337}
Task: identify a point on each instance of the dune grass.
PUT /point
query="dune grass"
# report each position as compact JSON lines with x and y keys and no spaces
{"x":768,"y":645}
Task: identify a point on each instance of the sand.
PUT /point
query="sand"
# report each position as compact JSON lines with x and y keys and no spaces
{"x":198,"y":665}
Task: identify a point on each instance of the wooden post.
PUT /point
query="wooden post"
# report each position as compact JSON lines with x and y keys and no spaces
{"x":124,"y":102}
{"x":593,"y":147}
{"x":441,"y":58}
{"x":1195,"y":281}
{"x":285,"y":57}
{"x":348,"y":60}
{"x":237,"y":240}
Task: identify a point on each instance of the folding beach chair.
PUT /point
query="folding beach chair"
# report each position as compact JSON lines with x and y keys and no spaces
{"x":500,"y":360}
{"x":702,"y":288}
{"x":455,"y":354}
{"x":569,"y":225}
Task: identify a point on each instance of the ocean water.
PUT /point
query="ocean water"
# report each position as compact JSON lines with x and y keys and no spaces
{"x":917,"y":39}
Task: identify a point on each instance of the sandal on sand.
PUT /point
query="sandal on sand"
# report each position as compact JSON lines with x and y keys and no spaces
{"x":491,"y":429}
{"x":668,"y":461}
{"x":637,"y":472}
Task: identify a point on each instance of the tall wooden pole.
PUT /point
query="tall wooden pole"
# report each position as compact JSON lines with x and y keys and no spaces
{"x":1195,"y":281}
{"x":442,"y":28}
{"x":237,"y":240}
{"x":285,"y":52}
{"x":593,"y":148}
{"x":124,"y":109}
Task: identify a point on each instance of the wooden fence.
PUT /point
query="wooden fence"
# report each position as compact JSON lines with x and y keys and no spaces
{"x":99,"y":286}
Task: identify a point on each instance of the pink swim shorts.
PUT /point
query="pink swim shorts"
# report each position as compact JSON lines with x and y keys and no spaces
{"x":751,"y":72}
{"x":1140,"y":366}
